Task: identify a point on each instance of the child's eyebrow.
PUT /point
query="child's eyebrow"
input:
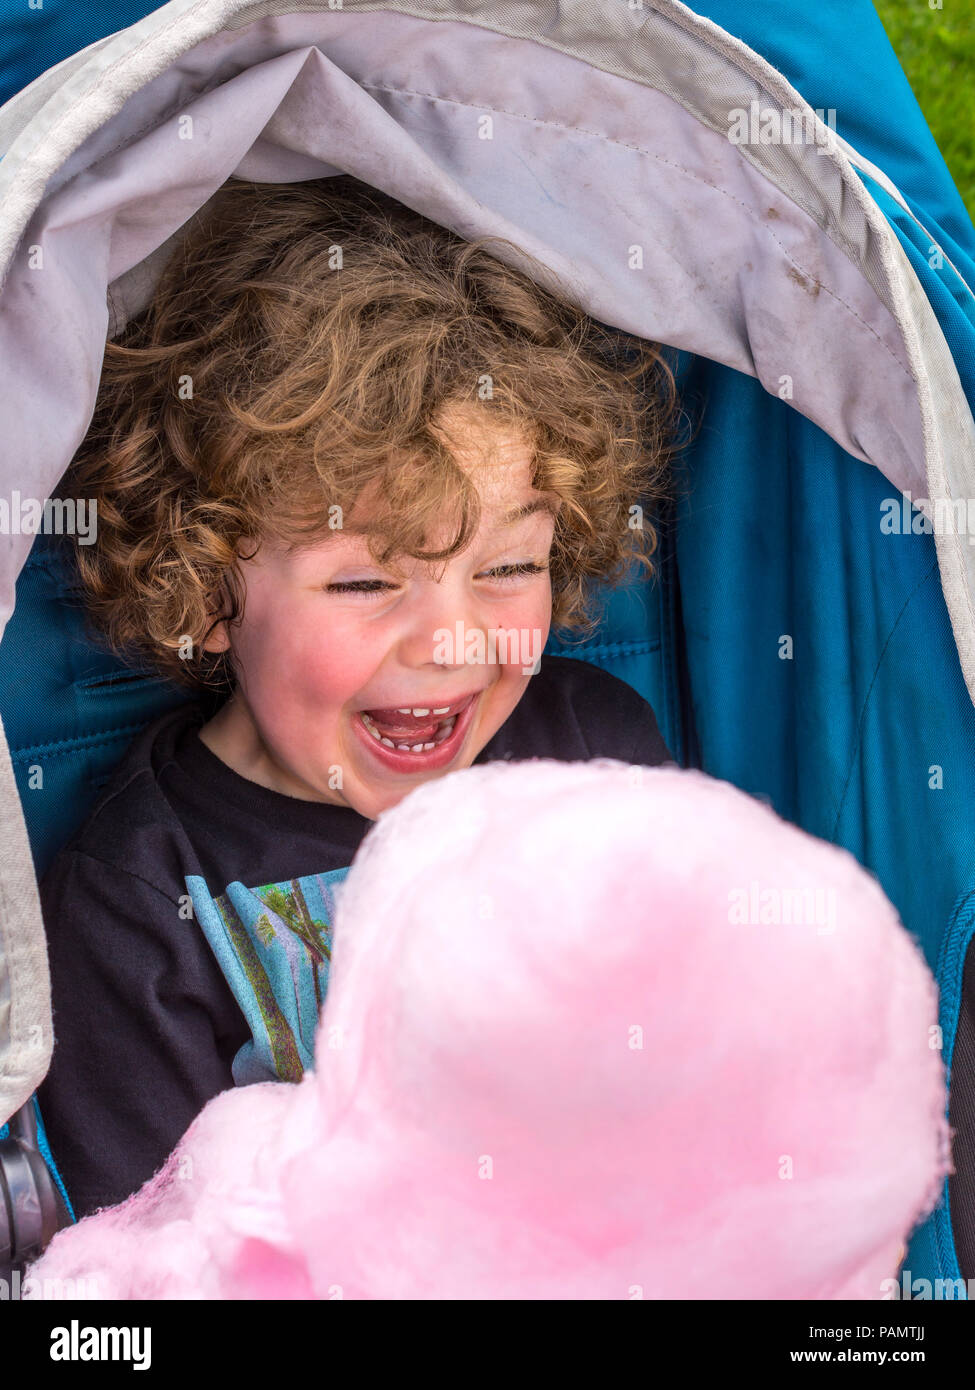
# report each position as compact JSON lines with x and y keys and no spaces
{"x":539,"y":504}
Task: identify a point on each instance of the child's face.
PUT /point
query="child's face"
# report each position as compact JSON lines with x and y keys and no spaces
{"x":314,"y":659}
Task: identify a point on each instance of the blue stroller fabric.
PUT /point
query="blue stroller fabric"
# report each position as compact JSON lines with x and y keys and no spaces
{"x":808,"y":637}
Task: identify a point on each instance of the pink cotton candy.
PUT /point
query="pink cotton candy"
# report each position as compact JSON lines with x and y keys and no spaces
{"x":568,"y":1052}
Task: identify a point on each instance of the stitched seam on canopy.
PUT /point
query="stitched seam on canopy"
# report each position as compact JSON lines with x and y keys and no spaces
{"x":82,"y":743}
{"x":866,"y":700}
{"x":610,"y":648}
{"x":638,"y":149}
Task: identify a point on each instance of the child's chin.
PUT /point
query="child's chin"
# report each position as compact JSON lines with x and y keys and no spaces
{"x":376,"y":794}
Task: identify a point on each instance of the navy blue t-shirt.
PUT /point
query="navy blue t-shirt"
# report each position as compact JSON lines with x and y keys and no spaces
{"x":147,"y":1026}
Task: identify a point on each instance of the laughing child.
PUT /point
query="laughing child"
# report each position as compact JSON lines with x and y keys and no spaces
{"x":349,"y":470}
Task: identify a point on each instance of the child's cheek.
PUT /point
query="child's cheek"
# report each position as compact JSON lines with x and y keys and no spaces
{"x":301,"y":662}
{"x":342,"y":661}
{"x":333,"y":659}
{"x":530,"y":612}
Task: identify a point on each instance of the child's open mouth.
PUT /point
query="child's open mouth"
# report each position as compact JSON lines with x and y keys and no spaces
{"x":416,"y":739}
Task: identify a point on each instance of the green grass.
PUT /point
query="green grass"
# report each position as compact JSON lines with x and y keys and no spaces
{"x":936,"y":49}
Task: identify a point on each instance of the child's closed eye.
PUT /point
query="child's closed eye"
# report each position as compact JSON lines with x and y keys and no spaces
{"x":501,"y":573}
{"x":506,"y":572}
{"x":358,"y":586}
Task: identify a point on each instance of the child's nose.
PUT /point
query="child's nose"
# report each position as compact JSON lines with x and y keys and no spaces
{"x":437,"y":624}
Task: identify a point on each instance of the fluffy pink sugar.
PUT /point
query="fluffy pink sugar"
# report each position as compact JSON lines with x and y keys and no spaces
{"x":177,"y":1237}
{"x":554,"y":1062}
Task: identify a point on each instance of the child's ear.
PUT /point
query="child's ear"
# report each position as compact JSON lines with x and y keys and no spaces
{"x":218,"y":637}
{"x":217,"y":640}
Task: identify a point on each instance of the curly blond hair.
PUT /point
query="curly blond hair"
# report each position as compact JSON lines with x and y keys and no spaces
{"x":301,"y":347}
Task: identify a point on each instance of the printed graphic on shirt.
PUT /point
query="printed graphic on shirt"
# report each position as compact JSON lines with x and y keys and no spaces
{"x":274,"y":945}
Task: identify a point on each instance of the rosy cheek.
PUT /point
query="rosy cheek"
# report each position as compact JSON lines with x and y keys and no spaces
{"x":335,"y":659}
{"x":297,"y":658}
{"x":531,"y":611}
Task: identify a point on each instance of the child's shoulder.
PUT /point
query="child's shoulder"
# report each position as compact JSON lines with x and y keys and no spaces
{"x":574,"y":710}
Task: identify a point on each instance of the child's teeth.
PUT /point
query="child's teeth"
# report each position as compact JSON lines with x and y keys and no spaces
{"x":443,"y":732}
{"x":440,"y":711}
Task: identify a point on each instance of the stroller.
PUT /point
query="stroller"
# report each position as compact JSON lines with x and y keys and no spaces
{"x":712,"y":180}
